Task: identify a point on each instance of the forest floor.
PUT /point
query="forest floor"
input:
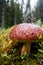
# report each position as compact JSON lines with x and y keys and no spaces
{"x":13,"y":57}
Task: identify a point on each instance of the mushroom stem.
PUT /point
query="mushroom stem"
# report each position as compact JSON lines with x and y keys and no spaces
{"x":26,"y":48}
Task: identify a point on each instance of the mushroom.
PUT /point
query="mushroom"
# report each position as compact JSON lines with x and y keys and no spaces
{"x":26,"y":33}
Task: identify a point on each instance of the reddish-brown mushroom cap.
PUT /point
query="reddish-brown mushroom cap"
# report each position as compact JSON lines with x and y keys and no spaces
{"x":26,"y":31}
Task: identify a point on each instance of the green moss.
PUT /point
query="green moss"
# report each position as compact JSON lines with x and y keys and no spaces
{"x":14,"y":56}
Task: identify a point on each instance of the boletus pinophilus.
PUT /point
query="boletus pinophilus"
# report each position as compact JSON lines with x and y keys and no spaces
{"x":26,"y":33}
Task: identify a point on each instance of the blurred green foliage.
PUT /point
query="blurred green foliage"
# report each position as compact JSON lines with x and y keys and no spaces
{"x":13,"y":13}
{"x":40,"y":23}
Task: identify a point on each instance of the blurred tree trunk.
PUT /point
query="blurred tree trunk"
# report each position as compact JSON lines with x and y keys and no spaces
{"x":41,"y":10}
{"x":7,"y":2}
{"x":36,"y":13}
{"x":13,"y":13}
{"x":3,"y":14}
{"x":0,"y":12}
{"x":27,"y":17}
{"x":7,"y":14}
{"x":22,"y":5}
